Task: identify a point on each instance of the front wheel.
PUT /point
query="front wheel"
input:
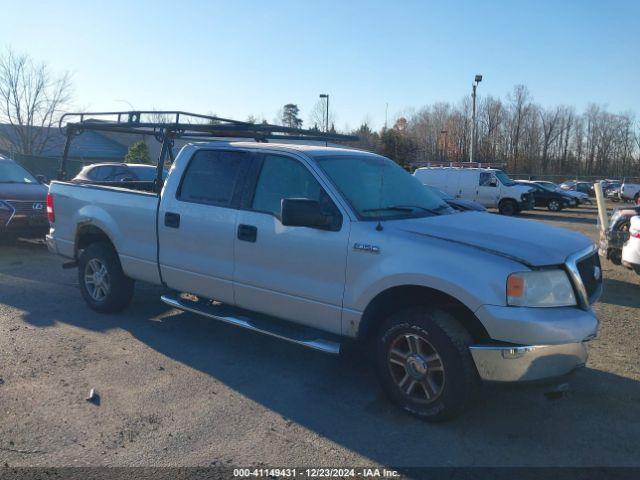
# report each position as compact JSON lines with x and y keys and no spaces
{"x":508,"y":207}
{"x":554,"y":205}
{"x":103,"y":284}
{"x":424,"y":363}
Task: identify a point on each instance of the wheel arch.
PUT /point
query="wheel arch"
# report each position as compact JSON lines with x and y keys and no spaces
{"x":88,"y":233}
{"x":404,"y":296}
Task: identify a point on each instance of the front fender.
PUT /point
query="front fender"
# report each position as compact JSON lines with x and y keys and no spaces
{"x":472,"y":276}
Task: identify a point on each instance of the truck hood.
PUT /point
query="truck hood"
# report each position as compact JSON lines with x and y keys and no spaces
{"x":23,"y":191}
{"x":528,"y":241}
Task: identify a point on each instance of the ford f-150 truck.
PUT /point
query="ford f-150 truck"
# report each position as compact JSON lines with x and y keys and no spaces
{"x":323,"y":246}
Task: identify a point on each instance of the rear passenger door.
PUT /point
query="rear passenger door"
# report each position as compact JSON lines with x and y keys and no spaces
{"x":296,"y":273}
{"x":197,"y":225}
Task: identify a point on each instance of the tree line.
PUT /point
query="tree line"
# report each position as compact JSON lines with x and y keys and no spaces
{"x":517,"y":132}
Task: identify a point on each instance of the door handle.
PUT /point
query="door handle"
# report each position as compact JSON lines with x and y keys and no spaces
{"x":247,"y":233}
{"x":172,"y":220}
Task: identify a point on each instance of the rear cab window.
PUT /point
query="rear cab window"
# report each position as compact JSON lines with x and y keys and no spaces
{"x":214,"y":177}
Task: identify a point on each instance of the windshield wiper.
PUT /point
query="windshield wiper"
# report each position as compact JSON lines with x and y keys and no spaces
{"x":409,"y":208}
{"x":393,"y":207}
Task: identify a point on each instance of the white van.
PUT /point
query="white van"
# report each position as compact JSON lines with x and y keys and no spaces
{"x":488,"y":186}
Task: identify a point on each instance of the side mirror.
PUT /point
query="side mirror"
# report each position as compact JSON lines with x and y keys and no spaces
{"x":493,"y":182}
{"x":301,"y":212}
{"x":41,"y":178}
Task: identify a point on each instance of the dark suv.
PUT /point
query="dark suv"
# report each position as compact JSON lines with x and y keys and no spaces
{"x":23,"y":209}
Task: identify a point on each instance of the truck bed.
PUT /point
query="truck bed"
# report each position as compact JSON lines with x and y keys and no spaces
{"x":129,"y":216}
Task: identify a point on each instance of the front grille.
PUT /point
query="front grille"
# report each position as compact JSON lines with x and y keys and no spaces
{"x":26,"y":208}
{"x":590,"y":274}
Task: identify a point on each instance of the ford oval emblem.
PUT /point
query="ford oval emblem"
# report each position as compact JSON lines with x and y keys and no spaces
{"x":597,"y":273}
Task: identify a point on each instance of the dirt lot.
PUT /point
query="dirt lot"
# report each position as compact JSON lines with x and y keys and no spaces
{"x":176,"y":389}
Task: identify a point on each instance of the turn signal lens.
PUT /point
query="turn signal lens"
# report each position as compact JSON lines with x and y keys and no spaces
{"x":515,"y":286}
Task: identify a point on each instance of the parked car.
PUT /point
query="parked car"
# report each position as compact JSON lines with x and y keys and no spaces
{"x":457,"y":203}
{"x":489,"y":187}
{"x":117,"y":172}
{"x":631,"y":249}
{"x":617,"y":233}
{"x":612,"y":191}
{"x":630,"y":191}
{"x":579,"y":186}
{"x":548,"y":198}
{"x":22,"y":202}
{"x":579,"y":196}
{"x":443,"y":300}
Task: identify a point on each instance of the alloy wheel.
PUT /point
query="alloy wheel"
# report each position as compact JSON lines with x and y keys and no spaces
{"x":416,"y":368}
{"x":96,"y":279}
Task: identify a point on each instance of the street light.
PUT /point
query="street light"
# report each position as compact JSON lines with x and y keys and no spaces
{"x":326,"y":122}
{"x":477,"y":80}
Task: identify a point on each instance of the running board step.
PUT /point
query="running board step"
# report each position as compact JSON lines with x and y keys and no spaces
{"x":304,"y":336}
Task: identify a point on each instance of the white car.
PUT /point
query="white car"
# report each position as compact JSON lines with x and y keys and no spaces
{"x":630,"y":191}
{"x":489,"y":187}
{"x":631,"y":249}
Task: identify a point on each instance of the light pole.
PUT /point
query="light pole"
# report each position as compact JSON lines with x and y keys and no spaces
{"x":326,"y":121}
{"x":477,"y":80}
{"x":444,"y":154}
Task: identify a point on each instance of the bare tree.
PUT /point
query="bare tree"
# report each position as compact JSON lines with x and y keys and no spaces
{"x":318,"y":115}
{"x":31,"y":102}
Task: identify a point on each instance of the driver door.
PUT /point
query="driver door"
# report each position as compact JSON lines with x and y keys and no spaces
{"x":488,"y":190}
{"x":295,"y":273}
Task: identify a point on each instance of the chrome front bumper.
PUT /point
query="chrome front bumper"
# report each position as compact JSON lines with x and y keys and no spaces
{"x":500,"y":363}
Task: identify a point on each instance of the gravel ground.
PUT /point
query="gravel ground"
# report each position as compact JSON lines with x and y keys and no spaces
{"x":177,"y":389}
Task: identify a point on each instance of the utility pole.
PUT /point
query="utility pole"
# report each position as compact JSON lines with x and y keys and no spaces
{"x":477,"y":80}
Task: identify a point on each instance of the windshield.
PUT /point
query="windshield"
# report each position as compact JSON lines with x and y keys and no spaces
{"x":546,"y":187}
{"x":11,"y":172}
{"x":504,"y":179}
{"x":378,"y":188}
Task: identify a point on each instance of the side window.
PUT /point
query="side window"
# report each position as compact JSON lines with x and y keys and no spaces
{"x":121,"y":173}
{"x":212,"y":177}
{"x":283,"y":177}
{"x":100,"y":174}
{"x":486,"y":180}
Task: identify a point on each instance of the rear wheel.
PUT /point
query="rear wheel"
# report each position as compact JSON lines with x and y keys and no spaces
{"x":636,"y":199}
{"x":103,"y":284}
{"x":508,"y":207}
{"x":554,"y":205}
{"x":424,"y":363}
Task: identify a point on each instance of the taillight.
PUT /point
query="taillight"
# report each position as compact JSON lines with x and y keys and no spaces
{"x":50,"y":215}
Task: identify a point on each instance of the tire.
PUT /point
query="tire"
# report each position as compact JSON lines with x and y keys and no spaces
{"x":441,"y":380}
{"x":508,"y":207}
{"x":636,"y":199}
{"x":111,"y":291}
{"x":554,"y":205}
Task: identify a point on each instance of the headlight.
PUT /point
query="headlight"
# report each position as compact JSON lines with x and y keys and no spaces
{"x":540,"y":288}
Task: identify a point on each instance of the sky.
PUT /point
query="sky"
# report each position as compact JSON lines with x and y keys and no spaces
{"x":241,"y":58}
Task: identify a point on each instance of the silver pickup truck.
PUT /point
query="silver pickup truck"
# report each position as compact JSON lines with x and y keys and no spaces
{"x":326,"y":246}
